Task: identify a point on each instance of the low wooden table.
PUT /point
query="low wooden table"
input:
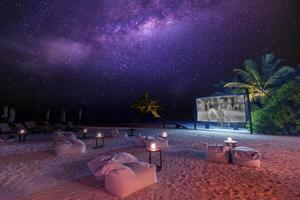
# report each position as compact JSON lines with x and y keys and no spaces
{"x":131,"y":132}
{"x":22,"y":137}
{"x":97,"y":142}
{"x":158,"y":167}
{"x":84,"y":134}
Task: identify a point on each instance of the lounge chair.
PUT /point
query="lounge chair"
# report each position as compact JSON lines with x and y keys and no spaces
{"x":59,"y":126}
{"x":48,"y":126}
{"x":32,"y":126}
{"x":20,"y":127}
{"x":72,"y":127}
{"x":5,"y":128}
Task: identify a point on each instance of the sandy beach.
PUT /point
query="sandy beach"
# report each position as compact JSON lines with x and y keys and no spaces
{"x":31,"y":170}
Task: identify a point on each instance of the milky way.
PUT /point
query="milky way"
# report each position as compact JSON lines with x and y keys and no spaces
{"x":104,"y":53}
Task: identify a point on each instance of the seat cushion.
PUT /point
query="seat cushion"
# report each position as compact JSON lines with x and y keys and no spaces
{"x":246,"y":156}
{"x":122,"y":186}
{"x":97,"y":164}
{"x":217,"y":153}
{"x":67,"y":147}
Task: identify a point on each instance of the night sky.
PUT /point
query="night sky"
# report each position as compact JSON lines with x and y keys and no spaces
{"x":101,"y":55}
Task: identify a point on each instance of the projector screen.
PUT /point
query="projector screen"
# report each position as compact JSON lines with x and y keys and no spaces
{"x":221,"y":109}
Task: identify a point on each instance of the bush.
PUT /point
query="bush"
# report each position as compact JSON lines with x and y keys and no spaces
{"x":281,"y":112}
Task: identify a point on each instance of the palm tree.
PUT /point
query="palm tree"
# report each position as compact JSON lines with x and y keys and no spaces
{"x":261,"y":77}
{"x":147,"y":104}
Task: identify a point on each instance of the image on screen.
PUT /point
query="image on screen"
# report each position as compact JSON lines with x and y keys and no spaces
{"x":221,"y":109}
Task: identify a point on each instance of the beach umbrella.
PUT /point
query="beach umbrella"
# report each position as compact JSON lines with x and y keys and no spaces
{"x":63,"y":115}
{"x":12,"y":115}
{"x":47,"y":116}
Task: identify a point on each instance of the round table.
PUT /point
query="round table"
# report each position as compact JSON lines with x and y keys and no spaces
{"x":230,"y":143}
{"x":158,"y":167}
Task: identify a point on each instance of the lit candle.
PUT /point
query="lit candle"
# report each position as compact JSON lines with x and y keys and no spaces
{"x":99,"y":135}
{"x":164,"y":134}
{"x":22,"y":131}
{"x":85,"y":130}
{"x":153,"y":146}
{"x":229,"y":139}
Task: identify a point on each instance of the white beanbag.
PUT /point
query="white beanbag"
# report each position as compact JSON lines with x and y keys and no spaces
{"x":144,"y":141}
{"x":122,"y":185}
{"x":217,"y":153}
{"x":162,"y":143}
{"x":97,"y":164}
{"x":63,"y":135}
{"x":68,"y":147}
{"x":245,"y":156}
{"x":118,"y":134}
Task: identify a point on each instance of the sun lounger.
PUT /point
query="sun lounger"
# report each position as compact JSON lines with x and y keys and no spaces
{"x":32,"y":126}
{"x":59,"y":126}
{"x":20,"y":127}
{"x":48,"y":126}
{"x":5,"y":128}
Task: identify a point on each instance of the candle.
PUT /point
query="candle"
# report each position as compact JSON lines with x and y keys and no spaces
{"x":229,"y":139}
{"x":85,"y":130}
{"x":153,"y":146}
{"x":164,"y":134}
{"x":99,"y":135}
{"x":22,"y":131}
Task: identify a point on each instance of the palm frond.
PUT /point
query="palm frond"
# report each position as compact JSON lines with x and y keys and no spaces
{"x":279,"y":76}
{"x":244,"y":75}
{"x":238,"y":85}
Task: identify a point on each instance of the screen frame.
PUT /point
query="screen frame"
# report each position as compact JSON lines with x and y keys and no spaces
{"x":219,"y":96}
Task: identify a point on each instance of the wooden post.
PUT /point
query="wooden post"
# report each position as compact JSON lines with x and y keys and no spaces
{"x":249,"y":111}
{"x":195,"y":115}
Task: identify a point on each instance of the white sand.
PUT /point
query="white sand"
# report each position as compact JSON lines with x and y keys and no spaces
{"x":30,"y":170}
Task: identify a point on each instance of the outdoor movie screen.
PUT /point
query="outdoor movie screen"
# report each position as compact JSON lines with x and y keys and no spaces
{"x":221,"y":109}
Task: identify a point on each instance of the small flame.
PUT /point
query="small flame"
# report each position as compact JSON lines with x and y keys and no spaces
{"x":99,"y":135}
{"x":85,"y":130}
{"x":229,"y":139}
{"x":22,"y":131}
{"x":153,"y":146}
{"x":164,"y":134}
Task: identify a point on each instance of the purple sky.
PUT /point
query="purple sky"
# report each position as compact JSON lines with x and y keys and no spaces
{"x":104,"y":53}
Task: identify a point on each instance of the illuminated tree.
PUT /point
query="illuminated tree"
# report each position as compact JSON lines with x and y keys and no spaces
{"x":261,"y":77}
{"x":147,"y":105}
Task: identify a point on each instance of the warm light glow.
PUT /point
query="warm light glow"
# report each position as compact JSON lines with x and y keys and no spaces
{"x":153,"y":146}
{"x":85,"y":130}
{"x":22,"y":131}
{"x":164,"y":134}
{"x":99,"y":135}
{"x":229,"y":139}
